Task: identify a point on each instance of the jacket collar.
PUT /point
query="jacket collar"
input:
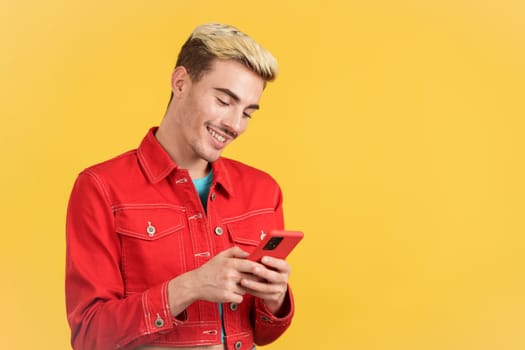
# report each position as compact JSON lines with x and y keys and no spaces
{"x":158,"y":165}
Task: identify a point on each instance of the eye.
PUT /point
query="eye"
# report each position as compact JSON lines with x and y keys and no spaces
{"x":222,"y":103}
{"x":246,"y":115}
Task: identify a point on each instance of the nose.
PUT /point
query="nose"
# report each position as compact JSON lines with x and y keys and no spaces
{"x":234,"y":121}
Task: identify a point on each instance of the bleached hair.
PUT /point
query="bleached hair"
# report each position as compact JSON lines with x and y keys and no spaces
{"x":219,"y":41}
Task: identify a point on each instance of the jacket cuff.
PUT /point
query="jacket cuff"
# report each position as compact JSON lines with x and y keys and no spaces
{"x":265,"y":317}
{"x":157,"y":316}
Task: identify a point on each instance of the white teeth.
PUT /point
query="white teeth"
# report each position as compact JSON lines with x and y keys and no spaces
{"x":216,"y":136}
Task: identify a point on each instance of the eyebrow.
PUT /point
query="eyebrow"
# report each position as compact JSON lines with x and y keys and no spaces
{"x":235,"y":97}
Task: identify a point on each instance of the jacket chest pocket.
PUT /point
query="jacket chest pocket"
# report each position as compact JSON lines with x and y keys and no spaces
{"x":152,"y":244}
{"x":246,"y":231}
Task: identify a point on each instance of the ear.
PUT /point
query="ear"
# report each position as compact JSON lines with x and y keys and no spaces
{"x":179,"y":80}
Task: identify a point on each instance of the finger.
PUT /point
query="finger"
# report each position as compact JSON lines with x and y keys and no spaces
{"x":270,"y":275}
{"x":246,"y":266}
{"x":233,"y":297}
{"x":235,"y":252}
{"x":262,"y":289}
{"x":251,"y":277}
{"x":233,"y":290}
{"x":276,"y":264}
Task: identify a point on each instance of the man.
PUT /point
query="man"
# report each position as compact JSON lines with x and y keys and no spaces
{"x":157,"y":238}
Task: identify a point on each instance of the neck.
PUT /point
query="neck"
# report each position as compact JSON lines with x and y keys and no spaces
{"x":197,"y":167}
{"x":199,"y":173}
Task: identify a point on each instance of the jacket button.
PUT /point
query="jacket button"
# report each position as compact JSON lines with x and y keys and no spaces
{"x":218,"y":231}
{"x":212,"y":197}
{"x":234,"y":306}
{"x":265,"y":318}
{"x":159,"y":322}
{"x":238,"y":345}
{"x":151,"y":229}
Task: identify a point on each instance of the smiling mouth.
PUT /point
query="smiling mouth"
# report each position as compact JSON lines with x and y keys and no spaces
{"x":216,"y":135}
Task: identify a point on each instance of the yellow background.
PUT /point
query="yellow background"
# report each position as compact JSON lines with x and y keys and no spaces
{"x":396,"y":129}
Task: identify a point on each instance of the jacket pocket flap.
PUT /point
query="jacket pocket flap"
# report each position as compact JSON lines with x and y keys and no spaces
{"x":148,"y":222}
{"x":251,"y":228}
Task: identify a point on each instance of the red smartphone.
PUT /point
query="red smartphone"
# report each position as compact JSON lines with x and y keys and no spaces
{"x":277,"y":244}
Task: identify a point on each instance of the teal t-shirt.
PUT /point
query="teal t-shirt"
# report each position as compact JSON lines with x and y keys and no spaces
{"x":202,"y":186}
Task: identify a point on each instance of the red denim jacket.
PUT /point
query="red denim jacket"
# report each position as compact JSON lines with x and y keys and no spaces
{"x":135,"y":222}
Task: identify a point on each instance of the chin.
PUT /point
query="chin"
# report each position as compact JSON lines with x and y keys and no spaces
{"x":211,"y":157}
{"x":207,"y":153}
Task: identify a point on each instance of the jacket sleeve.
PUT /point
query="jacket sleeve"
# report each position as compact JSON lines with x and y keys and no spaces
{"x":267,"y":326}
{"x":99,"y":314}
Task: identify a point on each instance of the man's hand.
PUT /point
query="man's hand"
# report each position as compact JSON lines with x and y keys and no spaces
{"x":271,"y":283}
{"x":227,"y":277}
{"x":217,"y":281}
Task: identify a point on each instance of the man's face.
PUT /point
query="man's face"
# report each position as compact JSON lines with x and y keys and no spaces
{"x":215,"y":110}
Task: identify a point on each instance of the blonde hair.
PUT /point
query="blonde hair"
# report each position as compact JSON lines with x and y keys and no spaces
{"x":219,"y":41}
